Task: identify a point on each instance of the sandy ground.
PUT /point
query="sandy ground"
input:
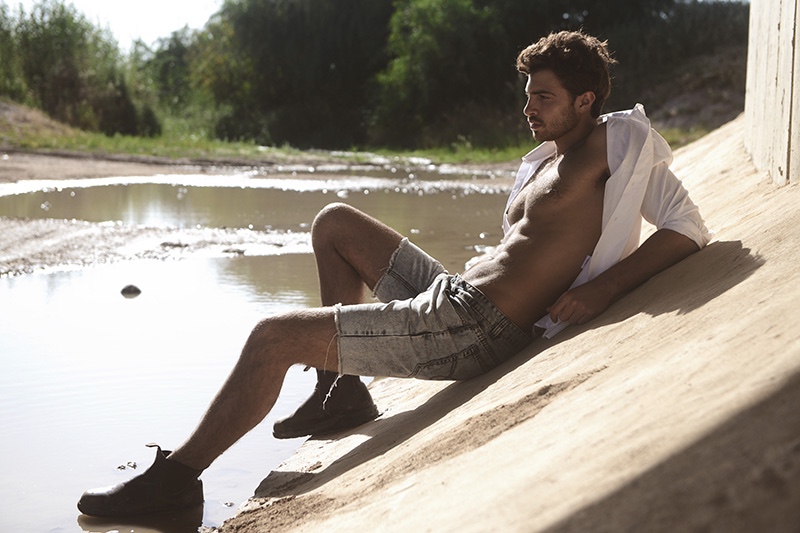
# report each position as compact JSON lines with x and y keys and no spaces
{"x":677,"y":410}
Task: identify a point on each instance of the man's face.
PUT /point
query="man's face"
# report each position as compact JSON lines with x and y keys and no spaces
{"x":550,"y":108}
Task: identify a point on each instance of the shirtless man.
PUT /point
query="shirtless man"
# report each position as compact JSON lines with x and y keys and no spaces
{"x":436,"y":325}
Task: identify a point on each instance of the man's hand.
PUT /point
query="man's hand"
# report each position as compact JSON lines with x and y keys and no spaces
{"x":663,"y":249}
{"x":583,"y":303}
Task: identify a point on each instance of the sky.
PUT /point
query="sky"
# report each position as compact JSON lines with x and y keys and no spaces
{"x":147,"y":20}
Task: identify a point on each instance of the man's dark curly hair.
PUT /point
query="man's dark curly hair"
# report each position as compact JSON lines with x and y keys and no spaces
{"x":580,"y":61}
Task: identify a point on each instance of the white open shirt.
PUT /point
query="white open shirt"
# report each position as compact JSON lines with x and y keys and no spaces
{"x":640,"y":185}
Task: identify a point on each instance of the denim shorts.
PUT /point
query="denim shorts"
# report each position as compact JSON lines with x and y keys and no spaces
{"x":429,"y":325}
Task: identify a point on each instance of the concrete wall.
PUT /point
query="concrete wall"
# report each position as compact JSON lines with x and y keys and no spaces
{"x":772,"y":105}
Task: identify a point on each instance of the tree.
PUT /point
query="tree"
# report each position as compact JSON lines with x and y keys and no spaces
{"x":451,"y":72}
{"x":169,"y":68}
{"x":12,"y":83}
{"x":294,"y":71}
{"x":72,"y":70}
{"x":444,"y":60}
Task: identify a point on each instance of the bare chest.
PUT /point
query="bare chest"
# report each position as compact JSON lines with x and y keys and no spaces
{"x":547,"y":190}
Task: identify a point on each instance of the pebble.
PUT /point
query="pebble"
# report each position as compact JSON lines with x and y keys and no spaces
{"x":131,"y":291}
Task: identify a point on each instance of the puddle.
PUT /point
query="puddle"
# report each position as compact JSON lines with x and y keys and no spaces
{"x":89,"y":376}
{"x":449,"y":218}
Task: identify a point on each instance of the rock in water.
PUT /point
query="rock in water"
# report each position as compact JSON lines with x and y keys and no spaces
{"x":131,"y":291}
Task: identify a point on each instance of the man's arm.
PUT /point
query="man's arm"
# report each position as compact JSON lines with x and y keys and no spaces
{"x":662,"y":250}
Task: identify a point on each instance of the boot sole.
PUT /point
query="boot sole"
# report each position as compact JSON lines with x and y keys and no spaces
{"x":332,"y":424}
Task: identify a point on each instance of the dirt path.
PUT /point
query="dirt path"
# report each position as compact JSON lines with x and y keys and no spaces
{"x":18,"y":166}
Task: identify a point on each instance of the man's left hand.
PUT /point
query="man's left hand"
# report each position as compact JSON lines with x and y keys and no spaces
{"x":582,"y":303}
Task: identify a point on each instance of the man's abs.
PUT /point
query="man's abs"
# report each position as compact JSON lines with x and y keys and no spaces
{"x":555,"y":223}
{"x":524,"y":277}
{"x":541,"y":255}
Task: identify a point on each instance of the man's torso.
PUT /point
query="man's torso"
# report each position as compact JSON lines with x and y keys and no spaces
{"x":555,"y":223}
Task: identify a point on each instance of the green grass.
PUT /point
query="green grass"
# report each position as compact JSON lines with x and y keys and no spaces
{"x":180,"y":143}
{"x":167,"y":147}
{"x":200,"y":148}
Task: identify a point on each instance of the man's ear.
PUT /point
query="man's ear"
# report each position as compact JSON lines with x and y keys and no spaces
{"x":584,"y":102}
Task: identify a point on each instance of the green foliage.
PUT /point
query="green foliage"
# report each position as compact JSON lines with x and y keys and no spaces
{"x":170,"y":67}
{"x":11,"y":82}
{"x":222,"y":69}
{"x":451,"y":74}
{"x":444,"y":60}
{"x":142,"y":89}
{"x":294,"y":71}
{"x":70,"y":69}
{"x":316,"y":73}
{"x":673,"y":35}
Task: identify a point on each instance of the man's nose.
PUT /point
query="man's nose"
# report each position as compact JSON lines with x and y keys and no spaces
{"x":529,"y":110}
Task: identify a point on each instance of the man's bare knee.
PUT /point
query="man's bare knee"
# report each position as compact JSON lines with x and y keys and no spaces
{"x":296,"y":337}
{"x":330,"y":221}
{"x":264,"y":346}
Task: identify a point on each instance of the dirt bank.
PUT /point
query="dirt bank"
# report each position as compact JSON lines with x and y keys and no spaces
{"x":18,"y":166}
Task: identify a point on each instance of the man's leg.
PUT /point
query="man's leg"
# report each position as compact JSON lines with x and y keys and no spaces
{"x":306,"y":337}
{"x":352,"y":251}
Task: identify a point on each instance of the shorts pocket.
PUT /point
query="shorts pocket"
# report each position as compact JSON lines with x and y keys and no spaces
{"x":458,"y":366}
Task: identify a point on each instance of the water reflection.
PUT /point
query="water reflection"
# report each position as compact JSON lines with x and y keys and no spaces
{"x":450,"y":219}
{"x":174,"y":522}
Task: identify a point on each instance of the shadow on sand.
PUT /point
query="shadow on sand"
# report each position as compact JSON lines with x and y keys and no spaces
{"x":685,"y":287}
{"x":744,"y":475}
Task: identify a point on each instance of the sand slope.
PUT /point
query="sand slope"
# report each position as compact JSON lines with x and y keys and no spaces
{"x":677,"y":410}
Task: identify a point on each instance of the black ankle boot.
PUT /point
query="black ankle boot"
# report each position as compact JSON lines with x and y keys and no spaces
{"x":165,"y":486}
{"x":346,"y":405}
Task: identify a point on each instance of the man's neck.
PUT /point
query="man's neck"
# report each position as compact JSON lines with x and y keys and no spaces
{"x":576,"y":136}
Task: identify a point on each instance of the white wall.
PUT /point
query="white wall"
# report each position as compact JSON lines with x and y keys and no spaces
{"x":772,"y":104}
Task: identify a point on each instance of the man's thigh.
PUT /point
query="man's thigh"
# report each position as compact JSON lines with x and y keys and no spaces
{"x":450,"y":331}
{"x":410,"y":272}
{"x":305,"y":336}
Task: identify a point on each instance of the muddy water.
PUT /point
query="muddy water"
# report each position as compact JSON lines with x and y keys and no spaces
{"x":89,"y":377}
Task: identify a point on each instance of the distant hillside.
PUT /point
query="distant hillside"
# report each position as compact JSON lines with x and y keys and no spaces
{"x":18,"y":121}
{"x":704,"y":93}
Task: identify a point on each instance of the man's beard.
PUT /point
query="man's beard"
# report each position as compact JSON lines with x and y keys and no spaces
{"x":558,"y":127}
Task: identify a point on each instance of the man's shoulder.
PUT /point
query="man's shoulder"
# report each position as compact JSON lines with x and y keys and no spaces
{"x":636,"y":114}
{"x":628,"y":132}
{"x":590,"y":158}
{"x":628,"y":125}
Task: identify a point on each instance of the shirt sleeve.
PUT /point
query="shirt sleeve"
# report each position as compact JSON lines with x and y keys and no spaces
{"x":667,"y":205}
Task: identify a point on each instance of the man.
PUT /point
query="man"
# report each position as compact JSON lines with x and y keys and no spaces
{"x":569,"y":250}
